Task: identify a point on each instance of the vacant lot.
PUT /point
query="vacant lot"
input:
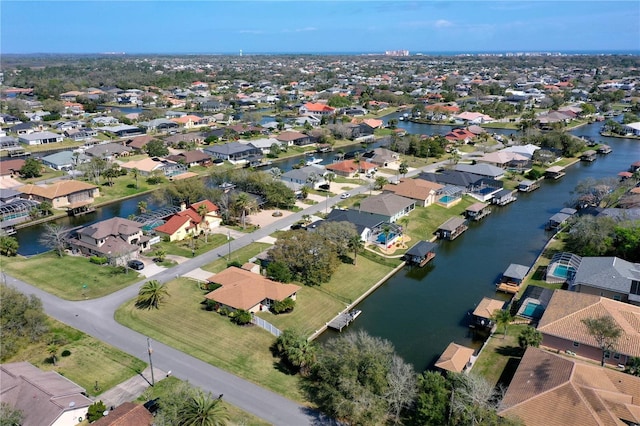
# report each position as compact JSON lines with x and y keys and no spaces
{"x":501,"y":356}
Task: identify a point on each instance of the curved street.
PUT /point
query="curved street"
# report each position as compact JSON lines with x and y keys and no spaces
{"x":96,"y":318}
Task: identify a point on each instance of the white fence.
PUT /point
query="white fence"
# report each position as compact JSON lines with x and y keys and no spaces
{"x":263,"y":324}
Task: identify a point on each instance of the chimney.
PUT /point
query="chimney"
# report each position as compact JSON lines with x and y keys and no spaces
{"x":183,"y":206}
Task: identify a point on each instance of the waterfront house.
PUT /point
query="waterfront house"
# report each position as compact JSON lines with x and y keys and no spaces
{"x":263,"y":144}
{"x":43,"y":397}
{"x":563,"y":330}
{"x":189,"y":223}
{"x":548,"y":388}
{"x":483,"y":313}
{"x":122,"y":130}
{"x":13,"y":209}
{"x":609,"y":277}
{"x":455,"y":358}
{"x":241,"y":289}
{"x":312,"y":176}
{"x":191,"y":158}
{"x":381,"y":157}
{"x":484,"y":170}
{"x":69,"y":194}
{"x":460,"y":136}
{"x":506,"y":160}
{"x":589,"y":155}
{"x":421,"y":253}
{"x":503,"y":197}
{"x":512,"y":278}
{"x":232,"y":151}
{"x":479,"y":187}
{"x":117,"y":239}
{"x":64,"y":160}
{"x":391,"y":206}
{"x":554,"y":172}
{"x":558,"y":219}
{"x":349,"y":168}
{"x":452,"y":228}
{"x":290,"y":138}
{"x":477,"y":211}
{"x":422,"y":191}
{"x":40,"y":138}
{"x":468,"y":117}
{"x":316,"y":109}
{"x":367,"y":224}
{"x":149,"y":166}
{"x":108,"y":151}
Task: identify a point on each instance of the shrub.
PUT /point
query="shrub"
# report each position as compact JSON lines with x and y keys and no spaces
{"x":224,"y":311}
{"x":210,"y":305}
{"x":241,"y":317}
{"x":98,"y":260}
{"x":96,"y":411}
{"x":65,"y":353}
{"x":283,"y":306}
{"x":234,"y":263}
{"x":534,"y":174}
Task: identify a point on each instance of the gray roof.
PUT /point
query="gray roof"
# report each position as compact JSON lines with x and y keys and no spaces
{"x":230,"y":148}
{"x":360,"y":219}
{"x":621,"y":214}
{"x":387,"y":204}
{"x":516,"y":271}
{"x":611,"y":273}
{"x":115,"y":226}
{"x":40,"y":135}
{"x":106,"y":149}
{"x":303,"y":173}
{"x":62,"y":158}
{"x":421,"y":248}
{"x":452,"y":224}
{"x":480,"y":169}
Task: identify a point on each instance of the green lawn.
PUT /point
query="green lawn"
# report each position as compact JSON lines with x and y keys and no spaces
{"x":424,"y":221}
{"x":184,"y":247}
{"x":539,"y":268}
{"x":241,"y":255}
{"x":500,"y":357}
{"x":183,"y":324}
{"x":65,"y":277}
{"x":90,"y":361}
{"x":164,"y":388}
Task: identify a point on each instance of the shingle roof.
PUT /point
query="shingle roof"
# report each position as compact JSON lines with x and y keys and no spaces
{"x":570,"y":392}
{"x":454,"y":358}
{"x":127,"y":414}
{"x":487,"y":307}
{"x":115,"y":226}
{"x":566,"y":310}
{"x":386,"y":204}
{"x":452,"y":224}
{"x":611,"y":273}
{"x":416,"y":189}
{"x":421,"y":248}
{"x":242,"y":289}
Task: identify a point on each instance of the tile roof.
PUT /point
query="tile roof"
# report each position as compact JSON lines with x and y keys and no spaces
{"x":454,"y":358}
{"x":58,"y":189}
{"x":126,"y":414}
{"x":566,"y":310}
{"x":114,"y":226}
{"x":487,"y":307}
{"x":242,"y":289}
{"x":191,"y":214}
{"x":316,"y":107}
{"x":416,"y":189}
{"x":570,"y":392}
{"x":290,"y":136}
{"x":350,"y":166}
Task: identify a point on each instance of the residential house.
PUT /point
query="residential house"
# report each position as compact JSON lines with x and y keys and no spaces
{"x":69,"y":194}
{"x":485,"y":170}
{"x":381,"y":157}
{"x":64,"y":160}
{"x":609,"y":277}
{"x":159,"y":124}
{"x":189,"y":222}
{"x":82,"y":134}
{"x":40,"y":138}
{"x":148,"y":166}
{"x":117,"y":239}
{"x":105,"y":121}
{"x":25,"y":128}
{"x":11,"y":167}
{"x":122,"y":130}
{"x":468,"y":117}
{"x":422,"y":191}
{"x":311,"y":176}
{"x":563,"y":329}
{"x":367,"y":224}
{"x":108,"y":151}
{"x":452,"y":228}
{"x":232,"y":151}
{"x":525,"y":150}
{"x":189,"y":121}
{"x":290,"y":138}
{"x":548,"y":388}
{"x":43,"y":397}
{"x":479,"y":187}
{"x":189,"y":137}
{"x":263,"y":144}
{"x":506,"y":160}
{"x":191,"y":158}
{"x":391,"y":206}
{"x":138,"y":143}
{"x":317,"y":109}
{"x":241,"y":289}
{"x":459,"y":136}
{"x":455,"y":358}
{"x":126,"y":414}
{"x":349,"y":168}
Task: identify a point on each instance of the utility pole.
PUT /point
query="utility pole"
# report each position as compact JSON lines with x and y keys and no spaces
{"x":229,"y":242}
{"x":153,"y":381}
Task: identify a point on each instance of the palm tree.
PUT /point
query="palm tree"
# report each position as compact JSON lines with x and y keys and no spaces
{"x":302,"y":354}
{"x":142,"y":207}
{"x":151,"y":295}
{"x":312,"y":179}
{"x":355,"y":244}
{"x":202,"y":410}
{"x":202,"y":212}
{"x":243,"y":204}
{"x":403,"y":168}
{"x":386,"y":230}
{"x":135,"y":172}
{"x":502,"y":318}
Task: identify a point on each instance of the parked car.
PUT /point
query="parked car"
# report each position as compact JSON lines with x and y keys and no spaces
{"x":136,"y":264}
{"x":345,"y":195}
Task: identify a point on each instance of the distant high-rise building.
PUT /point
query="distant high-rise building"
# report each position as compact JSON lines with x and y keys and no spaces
{"x":240,"y":52}
{"x":397,"y":53}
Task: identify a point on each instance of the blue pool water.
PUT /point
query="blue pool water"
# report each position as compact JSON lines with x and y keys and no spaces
{"x":533,"y":310}
{"x":447,"y":199}
{"x":381,"y":238}
{"x":563,"y":271}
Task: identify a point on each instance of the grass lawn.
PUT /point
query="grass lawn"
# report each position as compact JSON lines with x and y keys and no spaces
{"x":90,"y":361}
{"x":424,"y":221}
{"x":241,"y":255}
{"x":500,"y":358}
{"x":164,"y":388}
{"x":319,"y":304}
{"x":183,"y":324}
{"x":183,"y":248}
{"x":65,"y":277}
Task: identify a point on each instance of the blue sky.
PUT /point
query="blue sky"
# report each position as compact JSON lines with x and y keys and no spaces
{"x":269,"y":26}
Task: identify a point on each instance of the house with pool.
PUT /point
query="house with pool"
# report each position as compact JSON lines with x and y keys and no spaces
{"x":391,"y":206}
{"x":609,"y":277}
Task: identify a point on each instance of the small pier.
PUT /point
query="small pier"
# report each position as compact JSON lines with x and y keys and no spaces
{"x":528,"y":186}
{"x":343,"y":320}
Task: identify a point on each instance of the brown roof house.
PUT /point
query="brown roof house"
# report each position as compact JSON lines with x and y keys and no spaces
{"x":117,"y":239}
{"x":241,"y":289}
{"x":45,"y":397}
{"x":189,"y":222}
{"x":456,"y":358}
{"x":191,"y":158}
{"x":389,"y":205}
{"x":552,"y":390}
{"x":70,"y":194}
{"x":127,"y":414}
{"x":423,"y":191}
{"x":562,"y":327}
{"x":349,"y":168}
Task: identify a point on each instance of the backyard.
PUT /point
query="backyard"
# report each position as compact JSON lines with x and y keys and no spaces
{"x":500,"y":357}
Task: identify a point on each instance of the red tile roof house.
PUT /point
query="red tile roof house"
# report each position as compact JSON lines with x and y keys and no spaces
{"x":460,"y":135}
{"x":44,"y":397}
{"x":563,"y":330}
{"x":348,"y":168}
{"x":127,"y":414}
{"x":316,"y":109}
{"x":422,"y":191}
{"x":117,"y":239}
{"x":188,"y":222}
{"x":241,"y":289}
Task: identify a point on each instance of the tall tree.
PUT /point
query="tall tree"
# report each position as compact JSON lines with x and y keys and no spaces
{"x":432,"y":402}
{"x":355,"y":245}
{"x":22,"y":319}
{"x":203,"y":210}
{"x":203,"y":410}
{"x":8,"y":245}
{"x":403,"y":168}
{"x":31,"y":168}
{"x":473,"y":400}
{"x":502,"y":318}
{"x":151,"y":295}
{"x":401,"y":390}
{"x":55,"y":237}
{"x":606,"y":332}
{"x":529,"y":336}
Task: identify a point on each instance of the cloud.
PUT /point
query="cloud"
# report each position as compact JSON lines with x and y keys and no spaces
{"x":300,"y":30}
{"x":251,"y":32}
{"x":443,"y":23}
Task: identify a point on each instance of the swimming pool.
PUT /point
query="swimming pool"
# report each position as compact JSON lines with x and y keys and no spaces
{"x":563,"y":271}
{"x":382,"y":238}
{"x":533,"y":310}
{"x":447,"y":199}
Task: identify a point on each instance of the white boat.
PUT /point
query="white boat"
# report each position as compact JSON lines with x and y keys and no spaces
{"x":313,"y":160}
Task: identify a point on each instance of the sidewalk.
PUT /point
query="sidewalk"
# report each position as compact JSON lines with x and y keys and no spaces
{"x":130,"y":389}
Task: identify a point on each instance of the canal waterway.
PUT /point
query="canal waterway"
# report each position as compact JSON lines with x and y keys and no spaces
{"x":422,"y":310}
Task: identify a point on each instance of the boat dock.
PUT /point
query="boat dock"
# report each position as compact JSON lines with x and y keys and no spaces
{"x":343,"y":320}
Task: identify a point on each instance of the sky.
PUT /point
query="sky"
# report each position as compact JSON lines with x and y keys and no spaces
{"x":328,"y":26}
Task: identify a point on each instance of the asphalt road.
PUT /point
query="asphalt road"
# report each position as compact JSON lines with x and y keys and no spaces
{"x":96,"y":318}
